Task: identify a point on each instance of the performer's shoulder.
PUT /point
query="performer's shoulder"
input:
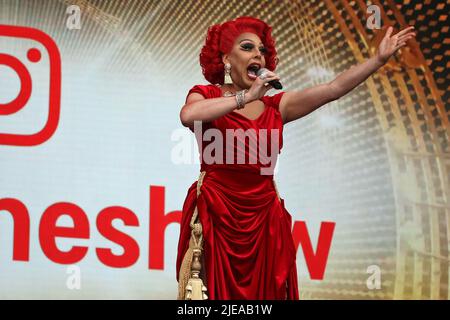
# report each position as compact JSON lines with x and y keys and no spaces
{"x":208,"y":85}
{"x":206,"y":90}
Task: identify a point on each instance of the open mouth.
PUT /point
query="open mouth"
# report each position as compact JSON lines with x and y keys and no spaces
{"x":252,"y":70}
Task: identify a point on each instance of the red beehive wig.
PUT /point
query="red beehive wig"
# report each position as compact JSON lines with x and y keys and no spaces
{"x":220,"y":39}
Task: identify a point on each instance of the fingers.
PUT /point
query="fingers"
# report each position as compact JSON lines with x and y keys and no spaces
{"x":267,"y":84}
{"x":406,"y":37}
{"x":404,"y":31}
{"x":264,"y":84}
{"x":272,"y":78}
{"x":269,"y":76}
{"x":267,"y":87}
{"x":402,"y":41}
{"x":400,"y":44}
{"x":389,"y":32}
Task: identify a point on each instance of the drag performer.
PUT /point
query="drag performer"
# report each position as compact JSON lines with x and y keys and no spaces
{"x":235,"y":237}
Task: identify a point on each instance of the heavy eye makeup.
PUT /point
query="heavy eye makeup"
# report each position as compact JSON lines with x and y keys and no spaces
{"x":249,"y":47}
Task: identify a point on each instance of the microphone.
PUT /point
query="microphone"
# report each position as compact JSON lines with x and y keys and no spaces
{"x":274,"y":83}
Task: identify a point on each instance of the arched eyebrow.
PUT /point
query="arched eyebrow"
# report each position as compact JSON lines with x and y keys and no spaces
{"x":251,"y":41}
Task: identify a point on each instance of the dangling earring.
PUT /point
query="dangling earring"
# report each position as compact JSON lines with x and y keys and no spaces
{"x":228,"y":79}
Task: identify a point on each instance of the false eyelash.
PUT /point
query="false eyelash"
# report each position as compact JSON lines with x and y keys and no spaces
{"x":249,"y":47}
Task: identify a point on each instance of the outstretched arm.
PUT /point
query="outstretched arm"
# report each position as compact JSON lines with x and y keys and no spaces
{"x":296,"y":104}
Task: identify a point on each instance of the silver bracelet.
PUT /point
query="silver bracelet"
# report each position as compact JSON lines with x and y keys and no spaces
{"x":240,"y":99}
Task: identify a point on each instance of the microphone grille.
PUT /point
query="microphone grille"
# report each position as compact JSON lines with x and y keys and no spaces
{"x":260,"y":71}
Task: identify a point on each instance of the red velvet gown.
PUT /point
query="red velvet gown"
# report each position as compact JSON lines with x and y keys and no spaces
{"x":248,"y":247}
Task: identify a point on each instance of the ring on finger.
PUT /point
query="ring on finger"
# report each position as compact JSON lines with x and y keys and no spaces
{"x":263,"y":75}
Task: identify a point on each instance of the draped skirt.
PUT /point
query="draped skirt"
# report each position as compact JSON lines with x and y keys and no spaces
{"x":248,"y":249}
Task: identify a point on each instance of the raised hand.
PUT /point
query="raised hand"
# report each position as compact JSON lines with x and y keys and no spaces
{"x":261,"y":85}
{"x":391,"y":43}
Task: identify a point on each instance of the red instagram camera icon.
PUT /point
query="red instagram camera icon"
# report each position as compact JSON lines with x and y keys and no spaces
{"x":34,"y":56}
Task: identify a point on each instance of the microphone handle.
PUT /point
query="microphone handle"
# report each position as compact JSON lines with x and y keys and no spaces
{"x":276,"y":84}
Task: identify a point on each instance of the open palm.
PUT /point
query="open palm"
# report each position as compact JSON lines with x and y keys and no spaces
{"x":390,"y":44}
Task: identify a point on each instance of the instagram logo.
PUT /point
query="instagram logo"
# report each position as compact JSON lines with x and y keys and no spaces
{"x":41,"y":48}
